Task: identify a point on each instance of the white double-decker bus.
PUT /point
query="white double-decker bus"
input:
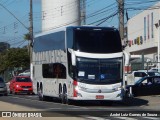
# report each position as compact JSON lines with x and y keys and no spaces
{"x":79,"y":63}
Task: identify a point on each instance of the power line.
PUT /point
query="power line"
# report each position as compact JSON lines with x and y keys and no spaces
{"x":104,"y":19}
{"x":14,"y":16}
{"x":98,"y":12}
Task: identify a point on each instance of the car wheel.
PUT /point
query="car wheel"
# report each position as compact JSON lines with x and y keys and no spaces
{"x":30,"y":93}
{"x":14,"y":92}
{"x":10,"y":92}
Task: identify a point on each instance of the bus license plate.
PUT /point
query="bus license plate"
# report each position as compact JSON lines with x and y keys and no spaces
{"x":99,"y":96}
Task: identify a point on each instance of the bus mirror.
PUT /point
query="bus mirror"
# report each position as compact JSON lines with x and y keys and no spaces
{"x":73,"y":56}
{"x":73,"y":59}
{"x":127,"y":58}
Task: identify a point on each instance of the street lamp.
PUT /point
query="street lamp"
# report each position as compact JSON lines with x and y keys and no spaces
{"x":158,"y":47}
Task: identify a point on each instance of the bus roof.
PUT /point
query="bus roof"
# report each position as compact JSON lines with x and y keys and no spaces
{"x":55,"y":39}
{"x":74,"y":27}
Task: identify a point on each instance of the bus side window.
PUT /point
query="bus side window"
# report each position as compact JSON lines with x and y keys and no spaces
{"x":59,"y":71}
{"x":56,"y":70}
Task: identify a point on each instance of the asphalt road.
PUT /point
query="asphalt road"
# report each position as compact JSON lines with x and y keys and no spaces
{"x":89,"y":110}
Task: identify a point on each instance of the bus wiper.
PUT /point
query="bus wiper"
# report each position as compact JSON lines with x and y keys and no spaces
{"x":81,"y":79}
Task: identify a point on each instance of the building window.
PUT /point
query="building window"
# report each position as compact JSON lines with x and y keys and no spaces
{"x":148,"y":27}
{"x":144,"y":28}
{"x":152,"y":25}
{"x":141,"y":40}
{"x":135,"y":41}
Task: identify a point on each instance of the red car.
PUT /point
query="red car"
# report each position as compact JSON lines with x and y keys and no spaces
{"x":21,"y":84}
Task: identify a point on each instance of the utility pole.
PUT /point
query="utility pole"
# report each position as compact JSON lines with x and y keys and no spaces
{"x":121,"y":17}
{"x":83,"y":12}
{"x":31,"y":30}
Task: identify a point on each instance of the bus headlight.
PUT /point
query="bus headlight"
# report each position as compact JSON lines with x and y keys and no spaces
{"x":79,"y":94}
{"x":117,"y":88}
{"x":82,"y":88}
{"x":119,"y":95}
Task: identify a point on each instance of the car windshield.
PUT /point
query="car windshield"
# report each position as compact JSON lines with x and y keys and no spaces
{"x":21,"y":79}
{"x":140,"y":80}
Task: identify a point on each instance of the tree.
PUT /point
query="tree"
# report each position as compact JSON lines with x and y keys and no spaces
{"x":14,"y":57}
{"x":27,"y":36}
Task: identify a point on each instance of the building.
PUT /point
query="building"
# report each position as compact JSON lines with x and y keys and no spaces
{"x":143,"y":33}
{"x":59,"y":13}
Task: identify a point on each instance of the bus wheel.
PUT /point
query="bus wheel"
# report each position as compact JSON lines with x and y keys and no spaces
{"x":40,"y":95}
{"x":60,"y":93}
{"x":69,"y":102}
{"x":64,"y":95}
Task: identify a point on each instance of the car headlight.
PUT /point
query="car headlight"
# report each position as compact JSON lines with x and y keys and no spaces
{"x":17,"y":85}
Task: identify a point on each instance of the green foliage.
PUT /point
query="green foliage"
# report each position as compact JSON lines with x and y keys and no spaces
{"x":14,"y":57}
{"x":27,"y":36}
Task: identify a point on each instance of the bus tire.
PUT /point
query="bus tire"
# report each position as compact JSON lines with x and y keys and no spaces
{"x":40,"y":94}
{"x":60,"y":92}
{"x":64,"y":95}
{"x":69,"y":102}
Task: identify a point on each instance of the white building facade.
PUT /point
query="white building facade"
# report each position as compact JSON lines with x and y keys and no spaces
{"x":59,"y":13}
{"x":143,"y":35}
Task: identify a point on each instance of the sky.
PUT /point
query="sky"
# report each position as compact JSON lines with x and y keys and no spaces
{"x":98,"y":12}
{"x":11,"y":30}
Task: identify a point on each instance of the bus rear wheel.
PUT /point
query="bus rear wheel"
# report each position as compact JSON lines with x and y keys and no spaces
{"x":69,"y":102}
{"x":40,"y":94}
{"x":64,"y":95}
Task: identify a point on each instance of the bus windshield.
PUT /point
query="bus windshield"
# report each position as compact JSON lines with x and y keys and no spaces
{"x":99,"y":71}
{"x":97,"y":40}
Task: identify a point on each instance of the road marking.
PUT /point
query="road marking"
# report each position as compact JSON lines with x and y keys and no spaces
{"x":95,"y":118}
{"x":151,"y":118}
{"x":125,"y":118}
{"x":54,"y":108}
{"x":33,"y":96}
